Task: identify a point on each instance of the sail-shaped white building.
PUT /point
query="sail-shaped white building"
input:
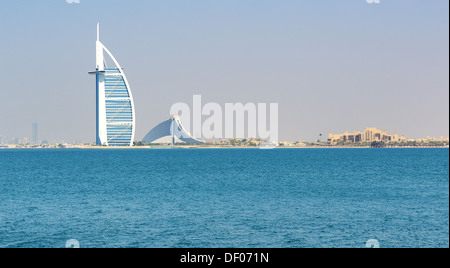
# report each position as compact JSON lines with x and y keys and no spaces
{"x":116,"y":118}
{"x":170,"y":131}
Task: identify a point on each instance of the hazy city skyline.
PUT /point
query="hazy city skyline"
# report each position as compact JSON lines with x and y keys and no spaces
{"x":331,"y":66}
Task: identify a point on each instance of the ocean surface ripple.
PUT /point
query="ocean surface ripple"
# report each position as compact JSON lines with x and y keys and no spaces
{"x":294,"y":198}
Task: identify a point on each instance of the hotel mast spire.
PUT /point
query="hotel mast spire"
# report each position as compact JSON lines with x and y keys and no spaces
{"x":100,"y":59}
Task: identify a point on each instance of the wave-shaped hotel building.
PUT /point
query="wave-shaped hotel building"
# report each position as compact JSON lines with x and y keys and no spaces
{"x":116,"y":117}
{"x":170,"y":131}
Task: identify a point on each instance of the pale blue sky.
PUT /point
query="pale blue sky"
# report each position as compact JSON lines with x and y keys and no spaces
{"x":331,"y":65}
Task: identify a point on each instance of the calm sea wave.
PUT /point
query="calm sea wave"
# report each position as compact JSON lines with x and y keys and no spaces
{"x":224,"y":198}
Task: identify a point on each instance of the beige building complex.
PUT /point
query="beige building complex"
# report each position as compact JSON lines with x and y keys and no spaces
{"x":368,"y":135}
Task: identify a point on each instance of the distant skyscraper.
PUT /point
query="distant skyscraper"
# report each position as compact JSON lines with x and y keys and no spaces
{"x":115,"y":107}
{"x":35,"y":133}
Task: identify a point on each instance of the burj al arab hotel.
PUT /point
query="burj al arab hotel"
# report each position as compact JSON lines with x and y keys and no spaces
{"x":115,"y":107}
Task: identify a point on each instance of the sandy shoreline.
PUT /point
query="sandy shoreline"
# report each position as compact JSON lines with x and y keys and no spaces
{"x":212,"y":147}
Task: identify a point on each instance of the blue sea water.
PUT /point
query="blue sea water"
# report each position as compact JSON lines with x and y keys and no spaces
{"x":292,"y":198}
